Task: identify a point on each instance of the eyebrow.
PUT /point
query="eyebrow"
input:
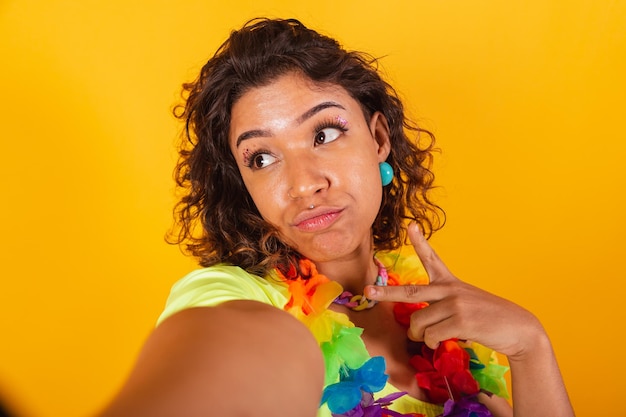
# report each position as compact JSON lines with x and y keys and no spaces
{"x":304,"y":117}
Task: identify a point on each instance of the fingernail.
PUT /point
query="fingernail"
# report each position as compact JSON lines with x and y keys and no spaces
{"x":371,"y":291}
{"x":417,"y":227}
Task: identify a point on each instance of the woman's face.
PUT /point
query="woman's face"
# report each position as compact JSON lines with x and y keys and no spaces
{"x":309,"y":159}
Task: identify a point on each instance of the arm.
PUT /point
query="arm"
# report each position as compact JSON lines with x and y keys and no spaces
{"x":462,"y":311}
{"x":538,"y":388}
{"x":239,"y":358}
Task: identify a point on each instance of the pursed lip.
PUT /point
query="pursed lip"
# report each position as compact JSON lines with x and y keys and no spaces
{"x":316,"y":219}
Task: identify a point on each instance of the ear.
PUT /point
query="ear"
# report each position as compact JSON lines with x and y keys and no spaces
{"x":380,"y":130}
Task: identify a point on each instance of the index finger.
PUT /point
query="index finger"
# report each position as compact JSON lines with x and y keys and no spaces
{"x":404,"y":293}
{"x":437,"y":270}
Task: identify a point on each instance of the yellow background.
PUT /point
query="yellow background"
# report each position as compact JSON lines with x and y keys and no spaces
{"x":527,"y":99}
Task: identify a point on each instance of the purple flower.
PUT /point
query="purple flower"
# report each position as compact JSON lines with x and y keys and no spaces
{"x":370,"y":408}
{"x":465,"y":407}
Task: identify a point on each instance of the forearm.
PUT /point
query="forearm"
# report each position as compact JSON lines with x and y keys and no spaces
{"x":241,"y":358}
{"x":538,"y":388}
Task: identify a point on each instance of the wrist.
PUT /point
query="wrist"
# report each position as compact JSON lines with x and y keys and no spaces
{"x":535,"y":343}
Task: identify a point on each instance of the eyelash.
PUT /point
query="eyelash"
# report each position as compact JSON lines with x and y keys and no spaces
{"x":334,"y":123}
{"x":249,"y":162}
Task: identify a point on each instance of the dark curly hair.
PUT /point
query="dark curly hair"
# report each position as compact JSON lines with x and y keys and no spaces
{"x":216,"y":219}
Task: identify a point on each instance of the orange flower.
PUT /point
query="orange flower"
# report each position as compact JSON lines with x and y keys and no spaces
{"x":312,"y":295}
{"x":309,"y":301}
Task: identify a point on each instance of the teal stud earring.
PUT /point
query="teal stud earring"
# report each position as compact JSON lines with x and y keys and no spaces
{"x":386,"y":173}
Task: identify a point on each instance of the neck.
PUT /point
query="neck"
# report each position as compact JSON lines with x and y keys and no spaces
{"x":353,"y":273}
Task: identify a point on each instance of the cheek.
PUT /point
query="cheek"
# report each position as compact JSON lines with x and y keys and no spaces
{"x":363,"y":179}
{"x":365,"y":172}
{"x":265,"y":197}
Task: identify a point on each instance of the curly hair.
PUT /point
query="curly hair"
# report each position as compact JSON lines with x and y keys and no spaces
{"x":215,"y":219}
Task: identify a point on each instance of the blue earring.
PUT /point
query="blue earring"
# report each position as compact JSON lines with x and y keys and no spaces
{"x":386,"y":173}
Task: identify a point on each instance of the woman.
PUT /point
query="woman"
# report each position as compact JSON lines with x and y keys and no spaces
{"x":299,"y":176}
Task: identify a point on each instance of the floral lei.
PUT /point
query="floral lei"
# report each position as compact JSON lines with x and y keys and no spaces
{"x":451,"y":375}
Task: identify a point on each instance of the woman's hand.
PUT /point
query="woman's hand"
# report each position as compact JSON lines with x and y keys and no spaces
{"x":460,"y":310}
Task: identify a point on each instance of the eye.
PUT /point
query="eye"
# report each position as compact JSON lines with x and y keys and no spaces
{"x":327,"y":135}
{"x":261,"y":160}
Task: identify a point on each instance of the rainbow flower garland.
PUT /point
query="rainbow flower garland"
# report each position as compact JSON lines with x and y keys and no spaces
{"x":452,"y":375}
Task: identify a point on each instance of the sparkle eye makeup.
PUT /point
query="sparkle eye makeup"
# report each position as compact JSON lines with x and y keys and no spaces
{"x":343,"y":122}
{"x":336,"y":122}
{"x":248,"y":156}
{"x":257,"y":159}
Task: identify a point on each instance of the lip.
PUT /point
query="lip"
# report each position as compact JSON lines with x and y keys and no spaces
{"x":316,"y":219}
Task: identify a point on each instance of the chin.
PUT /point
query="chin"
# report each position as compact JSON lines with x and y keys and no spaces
{"x":329,"y":249}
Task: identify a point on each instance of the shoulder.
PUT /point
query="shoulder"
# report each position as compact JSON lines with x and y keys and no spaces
{"x":208,"y":287}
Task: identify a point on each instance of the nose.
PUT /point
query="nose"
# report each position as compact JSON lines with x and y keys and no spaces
{"x":306,"y":178}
